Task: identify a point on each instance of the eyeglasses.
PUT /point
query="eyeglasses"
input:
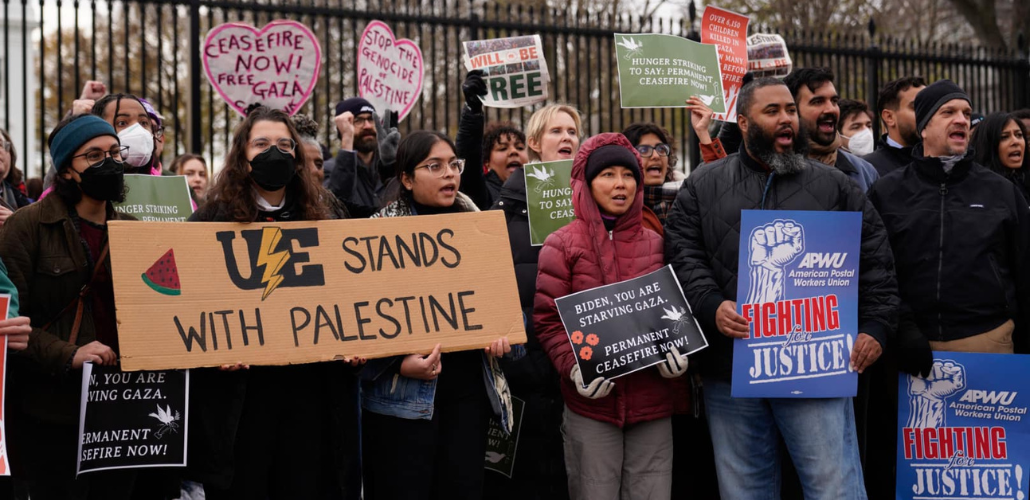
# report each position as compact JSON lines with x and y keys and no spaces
{"x":647,"y":151}
{"x":5,"y":145}
{"x":439,"y":169}
{"x":159,"y":133}
{"x":361,"y":120}
{"x":97,"y":156}
{"x":286,"y":145}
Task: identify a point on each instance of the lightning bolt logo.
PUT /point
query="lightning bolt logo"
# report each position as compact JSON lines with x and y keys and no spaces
{"x":273,"y":261}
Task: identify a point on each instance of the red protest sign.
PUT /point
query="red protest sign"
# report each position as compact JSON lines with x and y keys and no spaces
{"x":728,"y":31}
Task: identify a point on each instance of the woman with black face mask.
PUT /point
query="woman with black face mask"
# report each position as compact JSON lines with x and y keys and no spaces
{"x":273,"y":432}
{"x":53,"y":250}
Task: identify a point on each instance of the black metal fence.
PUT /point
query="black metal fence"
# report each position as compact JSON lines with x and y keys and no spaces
{"x":152,"y":49}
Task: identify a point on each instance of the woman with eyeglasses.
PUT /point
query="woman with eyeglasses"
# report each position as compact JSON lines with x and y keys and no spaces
{"x":11,"y":196}
{"x":425,"y":418}
{"x":274,"y":432}
{"x":54,"y":249}
{"x":654,"y":144}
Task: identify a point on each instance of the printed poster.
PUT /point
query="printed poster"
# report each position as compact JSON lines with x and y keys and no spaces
{"x":767,"y":56}
{"x":797,"y":285}
{"x":516,"y":72}
{"x":728,"y":30}
{"x":620,"y":328}
{"x":502,"y":447}
{"x":548,"y":198}
{"x":132,"y":420}
{"x":157,"y":198}
{"x":663,"y":71}
{"x":963,"y":431}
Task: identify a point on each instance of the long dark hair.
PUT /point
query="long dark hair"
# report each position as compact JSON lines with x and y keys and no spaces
{"x":415,"y":148}
{"x":234,"y":191}
{"x":987,"y":138}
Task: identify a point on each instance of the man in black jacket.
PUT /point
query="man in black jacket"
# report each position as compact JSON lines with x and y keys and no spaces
{"x":701,"y":242}
{"x":362,"y":173}
{"x":960,"y":235}
{"x":896,"y":103}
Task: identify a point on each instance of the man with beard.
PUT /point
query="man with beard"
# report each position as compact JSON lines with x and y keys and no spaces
{"x":362,"y":174}
{"x":817,"y":98}
{"x":896,"y":103}
{"x":771,"y":172}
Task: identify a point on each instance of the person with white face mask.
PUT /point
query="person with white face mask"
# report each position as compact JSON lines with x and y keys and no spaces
{"x":856,"y":127}
{"x":133,"y":124}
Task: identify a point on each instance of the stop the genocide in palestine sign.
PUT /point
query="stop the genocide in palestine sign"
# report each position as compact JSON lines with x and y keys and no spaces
{"x":207,"y":294}
{"x":620,"y":328}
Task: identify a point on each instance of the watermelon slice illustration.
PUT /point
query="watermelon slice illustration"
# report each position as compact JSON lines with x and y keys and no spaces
{"x":163,"y":276}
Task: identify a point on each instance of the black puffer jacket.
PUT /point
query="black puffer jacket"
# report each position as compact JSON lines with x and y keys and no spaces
{"x":540,"y":470}
{"x":702,"y":236}
{"x":960,"y":240}
{"x":887,"y":158}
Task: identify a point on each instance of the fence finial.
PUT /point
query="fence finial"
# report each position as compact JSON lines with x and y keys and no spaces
{"x":872,"y":27}
{"x":1021,"y":43}
{"x":692,"y":12}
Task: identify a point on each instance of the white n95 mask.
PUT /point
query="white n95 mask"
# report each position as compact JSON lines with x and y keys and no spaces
{"x":862,"y":143}
{"x":140,"y":142}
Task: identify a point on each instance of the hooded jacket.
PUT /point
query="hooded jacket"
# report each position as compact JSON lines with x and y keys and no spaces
{"x":887,"y":158}
{"x":702,"y":236}
{"x":584,"y":255}
{"x":960,"y":240}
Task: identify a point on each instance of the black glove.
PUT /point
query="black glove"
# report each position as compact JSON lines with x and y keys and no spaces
{"x":914,"y":354}
{"x":474,"y":87}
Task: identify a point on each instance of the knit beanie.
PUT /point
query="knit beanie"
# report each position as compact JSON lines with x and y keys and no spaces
{"x":931,"y":98}
{"x":66,"y":141}
{"x":612,"y":155}
{"x":355,"y":105}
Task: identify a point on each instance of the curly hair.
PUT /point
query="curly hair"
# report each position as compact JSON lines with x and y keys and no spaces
{"x":495,"y":132}
{"x":234,"y":191}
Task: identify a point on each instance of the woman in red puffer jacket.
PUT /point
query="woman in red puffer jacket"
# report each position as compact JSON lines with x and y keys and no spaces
{"x":618,"y":435}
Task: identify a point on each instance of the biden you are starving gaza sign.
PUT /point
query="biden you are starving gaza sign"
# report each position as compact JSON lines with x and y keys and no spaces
{"x":797,"y":286}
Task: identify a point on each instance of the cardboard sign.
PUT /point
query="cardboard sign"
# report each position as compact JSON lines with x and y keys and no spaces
{"x":276,"y":66}
{"x":501,"y":447}
{"x":767,"y":56}
{"x":390,"y":71}
{"x":132,"y":420}
{"x":797,"y":285}
{"x":548,"y":198}
{"x":963,"y":431}
{"x":207,"y":294}
{"x":516,"y":72}
{"x":663,"y":71}
{"x":727,"y":30}
{"x":620,"y":328}
{"x":157,"y":198}
{"x":5,"y":464}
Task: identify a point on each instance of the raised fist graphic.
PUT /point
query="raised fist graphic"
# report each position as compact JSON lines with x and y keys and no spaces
{"x":927,"y":395}
{"x":772,"y":247}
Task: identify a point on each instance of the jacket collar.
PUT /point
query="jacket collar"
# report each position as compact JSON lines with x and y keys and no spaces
{"x":751,"y":163}
{"x":933,"y":168}
{"x":53,"y":210}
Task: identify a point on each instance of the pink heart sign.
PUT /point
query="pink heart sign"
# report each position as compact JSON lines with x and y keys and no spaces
{"x":390,"y":71}
{"x":276,"y":66}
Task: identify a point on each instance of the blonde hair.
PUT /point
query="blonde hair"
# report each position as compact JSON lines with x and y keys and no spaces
{"x":538,"y":123}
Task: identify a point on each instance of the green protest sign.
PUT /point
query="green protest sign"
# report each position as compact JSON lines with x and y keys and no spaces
{"x":157,"y":198}
{"x":548,"y":197}
{"x":501,"y":447}
{"x":663,"y":71}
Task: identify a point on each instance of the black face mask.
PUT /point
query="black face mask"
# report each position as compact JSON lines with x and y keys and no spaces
{"x":272,"y":170}
{"x":104,"y":182}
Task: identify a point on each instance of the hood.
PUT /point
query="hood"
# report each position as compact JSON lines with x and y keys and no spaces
{"x":583,"y":202}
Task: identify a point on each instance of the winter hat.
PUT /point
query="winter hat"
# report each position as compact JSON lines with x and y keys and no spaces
{"x":975,"y":119}
{"x":931,"y":98}
{"x":152,"y":113}
{"x":355,"y":105}
{"x":612,"y":155}
{"x":74,"y":134}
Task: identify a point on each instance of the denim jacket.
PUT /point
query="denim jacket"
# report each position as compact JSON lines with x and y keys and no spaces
{"x":386,"y":392}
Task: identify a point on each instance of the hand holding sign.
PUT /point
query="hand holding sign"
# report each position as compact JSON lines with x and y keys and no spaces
{"x":390,"y":71}
{"x":598,"y":388}
{"x":276,"y":66}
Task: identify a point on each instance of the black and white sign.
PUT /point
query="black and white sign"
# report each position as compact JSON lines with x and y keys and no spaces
{"x":620,"y":328}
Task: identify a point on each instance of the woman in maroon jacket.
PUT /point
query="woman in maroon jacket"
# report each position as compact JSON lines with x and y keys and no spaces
{"x":618,"y":435}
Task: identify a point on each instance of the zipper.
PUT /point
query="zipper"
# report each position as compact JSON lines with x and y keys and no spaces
{"x":940,"y":265}
{"x":610,"y":237}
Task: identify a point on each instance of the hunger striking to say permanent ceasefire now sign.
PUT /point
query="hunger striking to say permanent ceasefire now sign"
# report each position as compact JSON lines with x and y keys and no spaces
{"x":207,"y":294}
{"x":797,"y":285}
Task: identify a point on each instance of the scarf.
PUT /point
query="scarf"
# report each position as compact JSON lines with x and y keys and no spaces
{"x":824,"y":154}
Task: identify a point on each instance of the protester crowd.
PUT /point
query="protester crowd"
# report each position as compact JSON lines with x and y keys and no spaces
{"x":944,"y":239}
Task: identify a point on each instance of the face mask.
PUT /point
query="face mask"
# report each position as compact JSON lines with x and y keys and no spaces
{"x":861,"y":143}
{"x":140,"y":142}
{"x":104,"y":182}
{"x":272,"y":170}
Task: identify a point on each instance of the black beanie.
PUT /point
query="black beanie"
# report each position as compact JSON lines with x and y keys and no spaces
{"x":355,"y":105}
{"x":612,"y":155}
{"x":931,"y":98}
